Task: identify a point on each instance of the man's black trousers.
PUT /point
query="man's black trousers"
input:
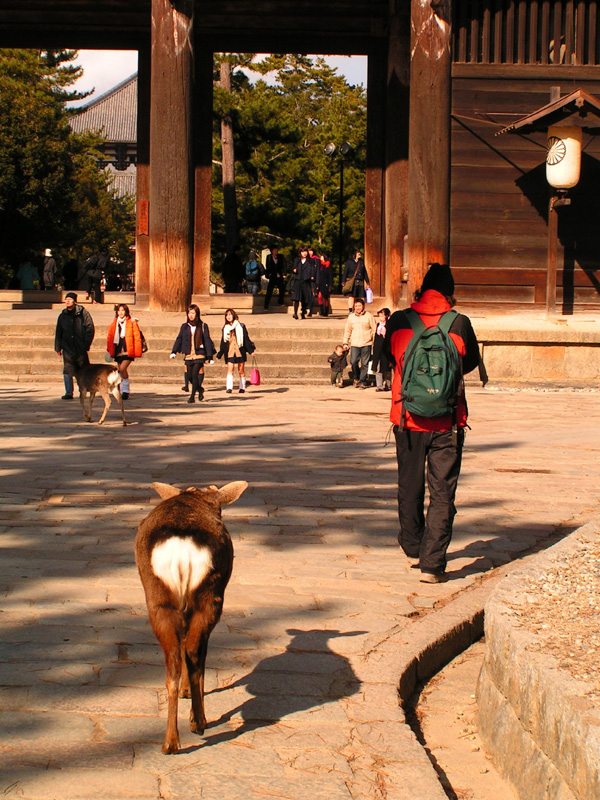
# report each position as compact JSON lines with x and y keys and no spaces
{"x":427,"y":537}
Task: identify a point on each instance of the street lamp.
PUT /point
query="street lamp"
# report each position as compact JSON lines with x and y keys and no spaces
{"x":346,"y":149}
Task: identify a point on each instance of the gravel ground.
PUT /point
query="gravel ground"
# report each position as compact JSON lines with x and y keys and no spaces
{"x":563,"y":610}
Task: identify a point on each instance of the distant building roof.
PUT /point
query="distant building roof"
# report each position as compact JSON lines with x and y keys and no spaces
{"x":122,"y":182}
{"x":114,"y":113}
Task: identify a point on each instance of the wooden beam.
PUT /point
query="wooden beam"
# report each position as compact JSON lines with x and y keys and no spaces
{"x":396,"y":150}
{"x":142,"y":240}
{"x":429,"y":145}
{"x":171,"y":173}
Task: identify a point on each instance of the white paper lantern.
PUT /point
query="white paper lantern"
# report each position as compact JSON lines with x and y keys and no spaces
{"x":563,"y":158}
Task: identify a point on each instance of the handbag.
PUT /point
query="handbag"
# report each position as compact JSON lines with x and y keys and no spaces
{"x":144,"y":343}
{"x":348,"y":286}
{"x":254,"y":374}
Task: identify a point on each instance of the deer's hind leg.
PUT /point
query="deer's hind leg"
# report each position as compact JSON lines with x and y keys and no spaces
{"x":106,"y":397}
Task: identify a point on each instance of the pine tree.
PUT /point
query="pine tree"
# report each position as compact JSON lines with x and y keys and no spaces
{"x":287,"y":189}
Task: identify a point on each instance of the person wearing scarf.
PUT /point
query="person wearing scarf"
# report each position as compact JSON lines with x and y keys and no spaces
{"x":236,"y":346}
{"x":124,"y":344}
{"x":194,"y":342}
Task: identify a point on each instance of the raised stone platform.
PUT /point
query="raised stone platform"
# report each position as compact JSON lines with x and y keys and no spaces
{"x":540,"y":723}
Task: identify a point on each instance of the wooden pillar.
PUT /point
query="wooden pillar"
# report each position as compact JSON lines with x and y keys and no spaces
{"x":171,"y":159}
{"x":429,"y":148}
{"x":142,"y":241}
{"x":374,"y":239}
{"x":203,"y":168}
{"x":396,"y":150}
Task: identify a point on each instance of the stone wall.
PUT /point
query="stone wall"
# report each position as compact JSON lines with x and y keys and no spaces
{"x":540,"y":724}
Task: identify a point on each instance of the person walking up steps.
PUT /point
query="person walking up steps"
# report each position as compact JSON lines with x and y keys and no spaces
{"x":236,"y":346}
{"x":429,"y":415}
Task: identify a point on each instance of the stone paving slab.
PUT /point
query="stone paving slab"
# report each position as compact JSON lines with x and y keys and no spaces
{"x":303,"y":670}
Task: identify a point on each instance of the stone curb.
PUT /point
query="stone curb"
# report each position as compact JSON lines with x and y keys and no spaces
{"x":541,"y":729}
{"x":409,"y":655}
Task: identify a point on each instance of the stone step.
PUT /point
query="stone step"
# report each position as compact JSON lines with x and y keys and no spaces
{"x":169,"y":370}
{"x":210,"y":304}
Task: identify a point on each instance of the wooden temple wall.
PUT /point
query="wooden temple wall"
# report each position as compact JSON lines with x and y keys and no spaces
{"x":499,"y":201}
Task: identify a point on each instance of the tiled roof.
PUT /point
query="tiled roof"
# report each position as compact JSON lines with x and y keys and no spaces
{"x":114,"y":113}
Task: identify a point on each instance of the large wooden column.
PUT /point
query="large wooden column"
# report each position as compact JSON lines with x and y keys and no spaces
{"x":374,"y":238}
{"x":171,"y":155}
{"x":142,"y":240}
{"x":429,"y":149}
{"x":396,"y":150}
{"x":203,"y":167}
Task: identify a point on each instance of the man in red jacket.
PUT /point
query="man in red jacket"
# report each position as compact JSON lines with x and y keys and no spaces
{"x":429,"y":441}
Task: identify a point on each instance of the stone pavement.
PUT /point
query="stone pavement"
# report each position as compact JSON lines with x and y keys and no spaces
{"x":302,"y":669}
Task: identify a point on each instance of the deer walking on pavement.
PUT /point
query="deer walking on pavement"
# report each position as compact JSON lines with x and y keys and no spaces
{"x":185,"y":557}
{"x":102,"y":379}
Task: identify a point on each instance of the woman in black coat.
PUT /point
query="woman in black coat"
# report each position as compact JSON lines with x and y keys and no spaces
{"x":304,"y":274}
{"x":193,"y":340}
{"x":361,"y":282}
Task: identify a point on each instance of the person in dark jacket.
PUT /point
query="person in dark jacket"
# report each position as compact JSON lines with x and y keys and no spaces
{"x":73,"y":339}
{"x":435,"y":443}
{"x":236,"y":346}
{"x":304,"y":273}
{"x":275,"y":271}
{"x":356,"y":266}
{"x":337,"y":361}
{"x":232,"y":271}
{"x":95,"y":267}
{"x":381,"y":365}
{"x":50,"y":270}
{"x":324,"y":284}
{"x":194,"y":342}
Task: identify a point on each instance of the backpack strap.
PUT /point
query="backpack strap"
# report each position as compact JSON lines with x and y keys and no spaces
{"x":446,"y":321}
{"x":414,"y":320}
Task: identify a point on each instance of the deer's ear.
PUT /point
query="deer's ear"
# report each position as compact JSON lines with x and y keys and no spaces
{"x":230,"y":492}
{"x":164,"y":491}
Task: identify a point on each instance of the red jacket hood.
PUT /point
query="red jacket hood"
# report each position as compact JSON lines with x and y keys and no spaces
{"x":431,"y":304}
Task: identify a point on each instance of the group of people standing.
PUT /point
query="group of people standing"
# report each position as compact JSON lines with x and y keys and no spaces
{"x":363,"y":338}
{"x":309,"y":282}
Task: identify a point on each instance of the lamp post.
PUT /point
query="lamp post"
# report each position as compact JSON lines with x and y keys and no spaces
{"x":346,"y":149}
{"x":563,"y":166}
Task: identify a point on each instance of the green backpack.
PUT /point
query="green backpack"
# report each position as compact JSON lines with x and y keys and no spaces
{"x":432,"y":368}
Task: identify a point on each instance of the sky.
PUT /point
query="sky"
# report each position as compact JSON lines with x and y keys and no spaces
{"x":104,"y":69}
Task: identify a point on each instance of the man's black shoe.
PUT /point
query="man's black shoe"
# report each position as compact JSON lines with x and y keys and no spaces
{"x":67,"y":397}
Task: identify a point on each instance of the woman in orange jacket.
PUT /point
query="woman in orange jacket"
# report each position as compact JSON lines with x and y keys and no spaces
{"x":124,"y":343}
